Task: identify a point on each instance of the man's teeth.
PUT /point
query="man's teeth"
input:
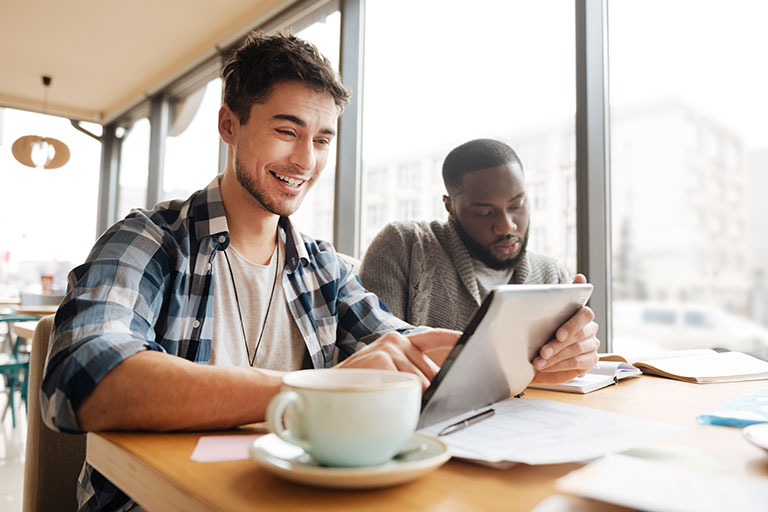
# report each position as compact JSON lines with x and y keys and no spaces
{"x":293,"y":182}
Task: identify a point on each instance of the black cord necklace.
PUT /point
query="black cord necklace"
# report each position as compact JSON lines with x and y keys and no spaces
{"x":269,"y":305}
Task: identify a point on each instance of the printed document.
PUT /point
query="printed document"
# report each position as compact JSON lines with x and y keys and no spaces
{"x":537,"y":431}
{"x":662,"y":487}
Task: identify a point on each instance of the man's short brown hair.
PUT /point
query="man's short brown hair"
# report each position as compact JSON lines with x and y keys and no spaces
{"x":266,"y":60}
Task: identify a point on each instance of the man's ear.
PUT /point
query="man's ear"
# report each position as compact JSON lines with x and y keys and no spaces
{"x":228,"y":124}
{"x":448,"y":205}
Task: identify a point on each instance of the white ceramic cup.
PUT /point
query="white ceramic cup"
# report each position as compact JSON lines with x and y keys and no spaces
{"x":347,"y":417}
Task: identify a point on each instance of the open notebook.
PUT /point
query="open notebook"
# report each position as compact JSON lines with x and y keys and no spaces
{"x":700,"y":366}
{"x":605,"y":373}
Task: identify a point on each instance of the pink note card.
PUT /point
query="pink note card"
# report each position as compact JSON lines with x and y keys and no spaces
{"x":221,"y":448}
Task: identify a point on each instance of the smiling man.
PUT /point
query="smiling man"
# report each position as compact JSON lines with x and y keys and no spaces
{"x":187,"y":316}
{"x":437,"y":273}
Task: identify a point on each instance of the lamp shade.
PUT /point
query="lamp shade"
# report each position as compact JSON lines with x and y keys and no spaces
{"x":40,"y":152}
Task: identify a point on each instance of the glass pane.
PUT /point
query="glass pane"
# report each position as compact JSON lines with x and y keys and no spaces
{"x":134,"y":168}
{"x":689,"y":163}
{"x":192,"y":147}
{"x":315,"y":216}
{"x":48,"y":216}
{"x":502,"y":70}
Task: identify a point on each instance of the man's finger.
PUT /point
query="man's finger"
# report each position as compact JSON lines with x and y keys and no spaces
{"x":421,"y":361}
{"x":578,"y":321}
{"x":434,"y":338}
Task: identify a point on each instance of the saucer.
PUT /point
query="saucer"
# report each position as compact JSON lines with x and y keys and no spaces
{"x":757,"y":435}
{"x":292,"y":463}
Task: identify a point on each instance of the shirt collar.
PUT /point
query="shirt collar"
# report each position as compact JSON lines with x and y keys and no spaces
{"x":211,"y":220}
{"x":207,"y":210}
{"x":295,"y":250}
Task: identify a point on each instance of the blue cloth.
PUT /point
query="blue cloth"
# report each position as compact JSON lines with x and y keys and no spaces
{"x":740,"y":412}
{"x":148,"y":285}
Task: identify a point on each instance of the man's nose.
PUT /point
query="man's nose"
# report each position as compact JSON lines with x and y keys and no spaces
{"x":505,"y":224}
{"x":303,"y":155}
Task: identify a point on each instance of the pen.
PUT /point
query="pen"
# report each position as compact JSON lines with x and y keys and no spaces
{"x":467,"y":422}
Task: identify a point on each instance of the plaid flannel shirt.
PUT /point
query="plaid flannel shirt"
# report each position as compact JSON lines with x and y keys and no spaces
{"x":148,"y":285}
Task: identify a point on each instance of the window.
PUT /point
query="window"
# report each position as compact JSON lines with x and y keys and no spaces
{"x":48,"y":216}
{"x":659,"y":316}
{"x":134,"y":168}
{"x":315,"y":216}
{"x":376,"y":214}
{"x":502,"y":70}
{"x":192,"y":145}
{"x":689,"y":164}
{"x":410,"y":175}
{"x":407,"y":210}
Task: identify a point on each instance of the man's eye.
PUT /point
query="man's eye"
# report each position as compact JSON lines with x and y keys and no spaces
{"x":286,"y":132}
{"x":322,"y":142}
{"x":487,"y":213}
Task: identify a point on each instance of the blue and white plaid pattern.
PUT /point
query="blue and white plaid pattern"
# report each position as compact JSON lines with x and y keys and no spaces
{"x":148,"y":285}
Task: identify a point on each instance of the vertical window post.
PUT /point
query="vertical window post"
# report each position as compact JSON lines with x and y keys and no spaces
{"x":159,"y":119}
{"x":110,"y":158}
{"x":593,"y":158}
{"x":346,"y":213}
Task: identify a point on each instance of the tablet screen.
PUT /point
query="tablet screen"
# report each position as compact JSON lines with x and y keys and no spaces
{"x":492,"y":359}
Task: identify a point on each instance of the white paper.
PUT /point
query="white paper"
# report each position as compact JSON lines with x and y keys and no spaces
{"x":655,"y":486}
{"x":536,"y":431}
{"x":221,"y":448}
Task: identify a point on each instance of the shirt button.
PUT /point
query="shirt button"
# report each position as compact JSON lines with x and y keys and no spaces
{"x":208,"y":267}
{"x":196,"y":324}
{"x":222,"y":239}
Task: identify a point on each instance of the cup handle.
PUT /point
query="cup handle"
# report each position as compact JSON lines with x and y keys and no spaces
{"x":275,"y":413}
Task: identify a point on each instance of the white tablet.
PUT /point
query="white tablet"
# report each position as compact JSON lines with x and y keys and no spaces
{"x":492,"y":359}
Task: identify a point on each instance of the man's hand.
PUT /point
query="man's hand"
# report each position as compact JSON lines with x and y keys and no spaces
{"x":405,"y":353}
{"x":572,"y":352}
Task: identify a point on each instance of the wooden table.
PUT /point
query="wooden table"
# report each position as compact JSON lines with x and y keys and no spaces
{"x":36,"y":310}
{"x":155,"y":469}
{"x":24,"y":329}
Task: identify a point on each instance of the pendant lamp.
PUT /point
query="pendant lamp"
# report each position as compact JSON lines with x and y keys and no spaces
{"x":41,"y":152}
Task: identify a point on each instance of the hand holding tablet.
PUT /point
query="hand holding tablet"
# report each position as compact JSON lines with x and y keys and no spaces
{"x":493,"y":358}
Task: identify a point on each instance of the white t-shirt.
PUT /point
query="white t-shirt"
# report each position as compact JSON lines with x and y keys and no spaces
{"x":282,"y":346}
{"x":487,"y":277}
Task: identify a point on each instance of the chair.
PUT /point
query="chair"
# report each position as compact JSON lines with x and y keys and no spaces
{"x":53,"y":460}
{"x":14,"y":366}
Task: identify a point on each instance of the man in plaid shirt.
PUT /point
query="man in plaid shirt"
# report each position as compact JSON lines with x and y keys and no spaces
{"x":225,"y":283}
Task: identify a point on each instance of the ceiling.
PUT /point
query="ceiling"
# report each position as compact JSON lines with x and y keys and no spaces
{"x":107,"y":56}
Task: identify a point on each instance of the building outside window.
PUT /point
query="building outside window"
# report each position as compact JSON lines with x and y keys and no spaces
{"x":510,"y":76}
{"x":408,"y":210}
{"x":689,"y":172}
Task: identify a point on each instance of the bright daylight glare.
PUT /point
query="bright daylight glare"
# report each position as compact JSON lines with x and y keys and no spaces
{"x":688,"y":152}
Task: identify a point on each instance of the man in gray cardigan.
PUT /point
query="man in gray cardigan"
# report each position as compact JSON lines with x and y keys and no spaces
{"x":437,"y":273}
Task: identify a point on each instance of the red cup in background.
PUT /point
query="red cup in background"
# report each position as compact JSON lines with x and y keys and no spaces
{"x":46,"y":280}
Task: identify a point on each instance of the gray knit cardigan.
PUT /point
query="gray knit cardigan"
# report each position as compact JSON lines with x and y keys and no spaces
{"x":423,"y":272}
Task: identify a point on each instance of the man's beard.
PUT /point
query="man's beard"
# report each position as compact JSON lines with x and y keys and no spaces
{"x":250,"y":185}
{"x":485,"y":255}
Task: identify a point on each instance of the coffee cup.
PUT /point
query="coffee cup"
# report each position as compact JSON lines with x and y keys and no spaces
{"x":347,"y":417}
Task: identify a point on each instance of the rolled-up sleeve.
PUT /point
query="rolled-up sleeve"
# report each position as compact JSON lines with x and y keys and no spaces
{"x":108,"y":315}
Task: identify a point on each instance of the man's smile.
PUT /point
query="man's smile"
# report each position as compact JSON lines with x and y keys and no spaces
{"x":289,"y":181}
